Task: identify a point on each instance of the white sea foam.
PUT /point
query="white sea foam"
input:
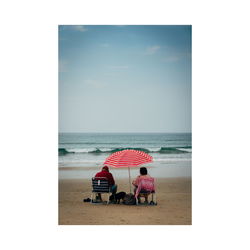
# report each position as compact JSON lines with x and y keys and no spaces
{"x":105,"y":149}
{"x":80,"y":150}
{"x":154,"y":149}
{"x":185,"y":149}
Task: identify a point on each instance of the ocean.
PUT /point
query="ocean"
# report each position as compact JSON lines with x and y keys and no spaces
{"x":81,"y":155}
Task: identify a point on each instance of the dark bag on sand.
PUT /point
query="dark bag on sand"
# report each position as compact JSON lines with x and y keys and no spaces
{"x":129,"y":199}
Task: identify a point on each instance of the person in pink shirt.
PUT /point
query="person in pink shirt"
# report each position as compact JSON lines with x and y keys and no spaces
{"x":144,"y":183}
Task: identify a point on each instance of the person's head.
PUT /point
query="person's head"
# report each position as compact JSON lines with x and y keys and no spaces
{"x":143,"y":171}
{"x":105,"y":168}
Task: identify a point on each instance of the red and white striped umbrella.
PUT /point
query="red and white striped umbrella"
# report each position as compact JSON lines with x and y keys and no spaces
{"x":128,"y":158}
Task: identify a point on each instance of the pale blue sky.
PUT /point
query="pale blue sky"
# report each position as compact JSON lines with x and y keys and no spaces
{"x":124,"y":78}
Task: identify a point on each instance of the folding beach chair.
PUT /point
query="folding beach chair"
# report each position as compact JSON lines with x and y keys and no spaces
{"x":100,"y":185}
{"x":145,"y":188}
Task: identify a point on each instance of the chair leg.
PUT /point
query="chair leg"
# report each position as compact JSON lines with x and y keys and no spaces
{"x":108,"y":198}
{"x":139,"y":198}
{"x":100,"y":196}
{"x":91,"y":197}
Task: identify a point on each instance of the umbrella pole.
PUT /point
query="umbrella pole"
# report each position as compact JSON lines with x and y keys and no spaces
{"x":129,"y":179}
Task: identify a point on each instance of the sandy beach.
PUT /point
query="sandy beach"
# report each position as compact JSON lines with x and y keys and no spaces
{"x":174,"y":197}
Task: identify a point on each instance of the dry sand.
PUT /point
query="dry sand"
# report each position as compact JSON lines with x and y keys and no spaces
{"x":173,"y":197}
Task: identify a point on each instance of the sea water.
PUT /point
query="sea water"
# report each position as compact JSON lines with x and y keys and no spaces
{"x":171,"y":152}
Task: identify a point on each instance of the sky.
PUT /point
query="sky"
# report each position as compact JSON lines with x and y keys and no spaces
{"x":125,"y":78}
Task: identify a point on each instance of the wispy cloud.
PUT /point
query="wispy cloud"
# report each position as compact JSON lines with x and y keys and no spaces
{"x":80,"y":28}
{"x":152,"y":49}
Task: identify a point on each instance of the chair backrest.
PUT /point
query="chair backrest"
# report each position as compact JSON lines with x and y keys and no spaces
{"x":147,"y":185}
{"x":100,"y":185}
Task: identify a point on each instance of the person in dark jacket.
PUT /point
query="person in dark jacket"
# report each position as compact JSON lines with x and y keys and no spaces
{"x":105,"y":173}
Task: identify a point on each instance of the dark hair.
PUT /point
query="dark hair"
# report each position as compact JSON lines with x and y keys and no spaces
{"x":143,"y":171}
{"x":105,"y":168}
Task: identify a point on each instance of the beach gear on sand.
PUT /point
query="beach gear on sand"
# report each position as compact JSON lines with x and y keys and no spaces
{"x":129,"y":199}
{"x":116,"y":198}
{"x":87,"y":200}
{"x":128,"y":158}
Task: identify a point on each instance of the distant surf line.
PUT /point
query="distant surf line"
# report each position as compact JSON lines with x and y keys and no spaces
{"x":161,"y":150}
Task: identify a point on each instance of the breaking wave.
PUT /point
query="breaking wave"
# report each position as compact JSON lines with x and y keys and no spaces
{"x":162,"y":150}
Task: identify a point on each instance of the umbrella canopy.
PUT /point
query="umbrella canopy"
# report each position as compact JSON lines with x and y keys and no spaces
{"x":128,"y":158}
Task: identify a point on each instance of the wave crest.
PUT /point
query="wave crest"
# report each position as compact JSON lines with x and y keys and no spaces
{"x":162,"y":150}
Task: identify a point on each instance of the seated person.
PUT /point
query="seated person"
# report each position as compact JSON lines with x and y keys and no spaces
{"x":144,"y":190}
{"x":105,"y":173}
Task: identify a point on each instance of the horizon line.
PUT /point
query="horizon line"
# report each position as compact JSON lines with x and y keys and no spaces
{"x":152,"y":132}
